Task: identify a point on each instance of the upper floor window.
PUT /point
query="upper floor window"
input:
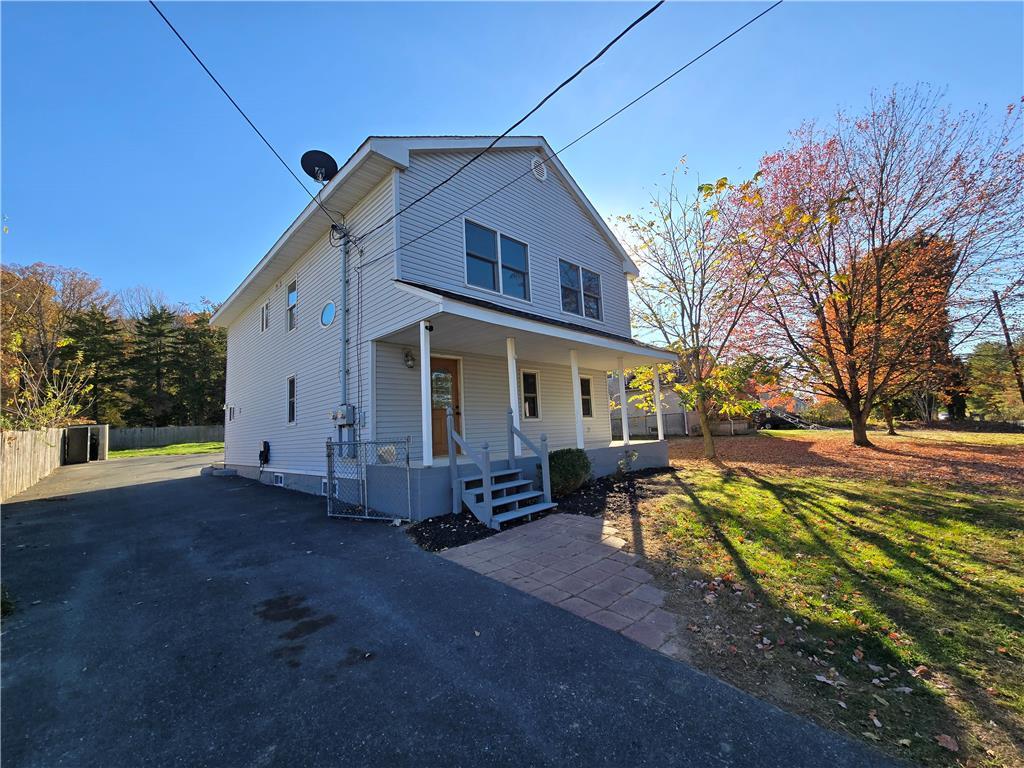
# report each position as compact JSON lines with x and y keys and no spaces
{"x":581,"y":290}
{"x":531,"y":395}
{"x":497,"y":263}
{"x":293,"y":300}
{"x":265,"y":316}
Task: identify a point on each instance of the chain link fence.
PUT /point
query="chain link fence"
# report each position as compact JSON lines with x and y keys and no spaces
{"x":369,"y":479}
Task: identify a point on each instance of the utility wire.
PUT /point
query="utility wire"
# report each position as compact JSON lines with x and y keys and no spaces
{"x":579,"y":138}
{"x":314,"y":198}
{"x":518,"y":122}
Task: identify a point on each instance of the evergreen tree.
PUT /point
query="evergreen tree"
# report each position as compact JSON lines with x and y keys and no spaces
{"x":151,"y":365}
{"x":100,"y":340}
{"x":200,"y":363}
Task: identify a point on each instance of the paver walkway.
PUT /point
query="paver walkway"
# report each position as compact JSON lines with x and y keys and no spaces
{"x":576,"y":563}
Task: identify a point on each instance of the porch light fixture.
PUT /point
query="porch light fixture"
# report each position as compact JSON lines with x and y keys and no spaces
{"x":410,"y":361}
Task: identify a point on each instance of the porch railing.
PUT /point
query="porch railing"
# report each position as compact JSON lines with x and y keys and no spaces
{"x":482,"y":459}
{"x":540,"y":450}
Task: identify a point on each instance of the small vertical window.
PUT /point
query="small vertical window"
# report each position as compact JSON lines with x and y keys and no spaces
{"x":231,"y":413}
{"x":586,"y":398}
{"x":531,"y":395}
{"x":569,"y":275}
{"x":264,"y":316}
{"x":291,"y":399}
{"x":514,"y":269}
{"x":481,"y":257}
{"x":293,"y":300}
{"x":591,"y":294}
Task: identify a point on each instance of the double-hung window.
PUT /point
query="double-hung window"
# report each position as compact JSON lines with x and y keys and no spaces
{"x":530,"y":382}
{"x":581,"y":290}
{"x":586,"y":397}
{"x":497,"y":262}
{"x":293,"y":301}
{"x":291,"y":399}
{"x":264,"y":316}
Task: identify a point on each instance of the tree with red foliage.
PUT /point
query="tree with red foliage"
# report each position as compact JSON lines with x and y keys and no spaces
{"x":882,"y":233}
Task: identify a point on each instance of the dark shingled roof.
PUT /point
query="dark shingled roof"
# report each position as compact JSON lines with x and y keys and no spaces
{"x":526,"y":315}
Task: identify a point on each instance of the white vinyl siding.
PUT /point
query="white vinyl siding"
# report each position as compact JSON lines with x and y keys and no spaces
{"x":259,"y":362}
{"x":543,"y":214}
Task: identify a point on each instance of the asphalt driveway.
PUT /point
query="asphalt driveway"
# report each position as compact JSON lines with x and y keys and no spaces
{"x":169,"y":619}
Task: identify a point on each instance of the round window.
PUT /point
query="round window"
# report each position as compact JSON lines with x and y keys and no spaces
{"x":327,"y":315}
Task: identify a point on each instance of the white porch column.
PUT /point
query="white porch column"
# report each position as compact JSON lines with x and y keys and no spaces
{"x":657,"y":404}
{"x":425,"y":396}
{"x":513,"y":390}
{"x":577,"y":397}
{"x":623,"y":412}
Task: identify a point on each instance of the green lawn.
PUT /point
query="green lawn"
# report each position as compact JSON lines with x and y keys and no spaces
{"x":179,"y":449}
{"x":863,"y":581}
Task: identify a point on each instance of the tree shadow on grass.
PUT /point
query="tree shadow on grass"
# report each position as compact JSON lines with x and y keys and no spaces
{"x":930,"y":584}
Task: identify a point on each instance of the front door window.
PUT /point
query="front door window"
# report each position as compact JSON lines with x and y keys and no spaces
{"x":444,"y":394}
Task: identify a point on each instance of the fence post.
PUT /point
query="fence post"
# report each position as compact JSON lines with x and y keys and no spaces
{"x":330,"y":478}
{"x":510,"y":425}
{"x":545,"y":468}
{"x":486,"y":452}
{"x":453,"y":465}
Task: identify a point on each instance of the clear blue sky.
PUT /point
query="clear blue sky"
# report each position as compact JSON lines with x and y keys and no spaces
{"x":120,"y":157}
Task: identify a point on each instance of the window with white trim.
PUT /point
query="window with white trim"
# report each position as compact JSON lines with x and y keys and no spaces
{"x":291,"y":399}
{"x":293,"y":302}
{"x":497,"y":262}
{"x":264,"y":316}
{"x":530,"y":394}
{"x":586,"y":397}
{"x":581,"y":290}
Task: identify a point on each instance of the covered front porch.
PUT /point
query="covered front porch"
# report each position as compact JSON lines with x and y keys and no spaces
{"x":516,"y":389}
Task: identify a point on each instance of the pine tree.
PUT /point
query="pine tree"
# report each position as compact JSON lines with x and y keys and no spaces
{"x":151,"y":365}
{"x":199,"y":371}
{"x":100,"y":340}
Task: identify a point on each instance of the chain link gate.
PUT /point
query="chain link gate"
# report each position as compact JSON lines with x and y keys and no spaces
{"x":369,"y":479}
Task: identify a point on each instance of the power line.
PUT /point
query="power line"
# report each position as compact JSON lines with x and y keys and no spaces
{"x":579,"y":138}
{"x":518,"y":122}
{"x":314,"y":198}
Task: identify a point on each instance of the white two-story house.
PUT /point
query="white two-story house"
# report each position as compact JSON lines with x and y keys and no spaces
{"x":413,"y":356}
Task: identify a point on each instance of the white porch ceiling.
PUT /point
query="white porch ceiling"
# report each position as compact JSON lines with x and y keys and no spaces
{"x":465,"y":335}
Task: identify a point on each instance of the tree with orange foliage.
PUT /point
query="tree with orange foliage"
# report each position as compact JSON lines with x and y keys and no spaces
{"x":881,"y":234}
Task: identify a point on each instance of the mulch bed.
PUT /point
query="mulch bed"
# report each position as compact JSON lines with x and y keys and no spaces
{"x":603,"y":496}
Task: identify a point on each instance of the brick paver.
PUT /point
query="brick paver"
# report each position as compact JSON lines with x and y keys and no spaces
{"x":576,"y":563}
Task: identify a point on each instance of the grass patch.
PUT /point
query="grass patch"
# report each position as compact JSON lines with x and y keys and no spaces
{"x":876,"y":587}
{"x":179,"y":449}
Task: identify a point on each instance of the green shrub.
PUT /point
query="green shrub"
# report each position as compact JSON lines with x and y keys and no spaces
{"x":570,"y":469}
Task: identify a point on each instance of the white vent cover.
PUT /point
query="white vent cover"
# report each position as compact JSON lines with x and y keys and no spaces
{"x":540,"y":171}
{"x":279,"y":480}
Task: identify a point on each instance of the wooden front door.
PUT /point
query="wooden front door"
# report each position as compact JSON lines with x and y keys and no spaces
{"x":444,"y":392}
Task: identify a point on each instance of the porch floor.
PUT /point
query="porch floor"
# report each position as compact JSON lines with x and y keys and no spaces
{"x":496,"y":455}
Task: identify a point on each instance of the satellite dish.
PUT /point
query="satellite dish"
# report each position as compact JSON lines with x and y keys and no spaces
{"x":319,"y":165}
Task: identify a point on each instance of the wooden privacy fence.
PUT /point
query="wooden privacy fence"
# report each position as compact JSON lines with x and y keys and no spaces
{"x":122,"y":438}
{"x":28,"y":457}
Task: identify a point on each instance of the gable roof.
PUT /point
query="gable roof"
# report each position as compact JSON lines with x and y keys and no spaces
{"x":361,"y":172}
